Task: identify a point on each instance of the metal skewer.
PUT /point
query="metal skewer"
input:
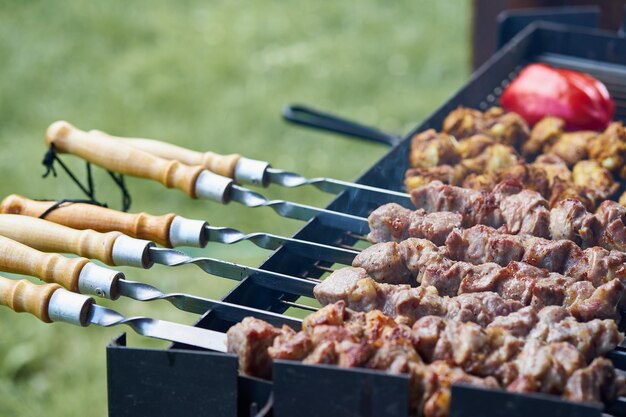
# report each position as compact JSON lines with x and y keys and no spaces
{"x":81,"y":276}
{"x":51,"y":303}
{"x":168,"y":230}
{"x":117,"y":249}
{"x":196,"y":181}
{"x":250,"y":171}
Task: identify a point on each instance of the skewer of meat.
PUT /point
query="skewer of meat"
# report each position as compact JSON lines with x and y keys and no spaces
{"x":337,"y":335}
{"x":480,"y":244}
{"x":509,"y":207}
{"x":459,"y":290}
{"x":477,"y":150}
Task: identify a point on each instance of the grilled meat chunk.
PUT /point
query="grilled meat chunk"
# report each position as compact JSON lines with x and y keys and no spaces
{"x":249,"y":340}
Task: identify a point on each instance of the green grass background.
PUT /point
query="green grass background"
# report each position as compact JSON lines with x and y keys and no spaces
{"x":211,"y":76}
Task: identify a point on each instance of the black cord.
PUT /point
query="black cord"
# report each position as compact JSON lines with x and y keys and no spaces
{"x":51,"y":157}
{"x":68,"y":200}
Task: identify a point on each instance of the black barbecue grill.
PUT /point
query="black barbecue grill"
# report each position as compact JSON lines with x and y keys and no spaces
{"x":185,"y":381}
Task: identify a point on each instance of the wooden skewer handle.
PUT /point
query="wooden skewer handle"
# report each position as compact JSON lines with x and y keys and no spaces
{"x":24,"y":296}
{"x":50,"y":267}
{"x":52,"y":237}
{"x":219,"y":164}
{"x":119,"y":157}
{"x":89,"y":216}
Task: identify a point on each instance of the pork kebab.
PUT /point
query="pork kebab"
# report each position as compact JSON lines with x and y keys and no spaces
{"x":511,"y":208}
{"x":542,"y":353}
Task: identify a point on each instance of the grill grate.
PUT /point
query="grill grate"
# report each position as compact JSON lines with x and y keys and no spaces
{"x":143,"y":383}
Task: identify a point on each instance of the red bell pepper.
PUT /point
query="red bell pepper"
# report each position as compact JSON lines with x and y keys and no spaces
{"x":541,"y":90}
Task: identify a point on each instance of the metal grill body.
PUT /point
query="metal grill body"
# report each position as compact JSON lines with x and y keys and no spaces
{"x":193,"y":383}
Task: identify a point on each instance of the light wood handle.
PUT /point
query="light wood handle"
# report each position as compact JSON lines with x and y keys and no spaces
{"x":24,"y":296}
{"x":52,"y":237}
{"x":119,"y":157}
{"x":50,"y":267}
{"x":219,"y":164}
{"x":89,"y":216}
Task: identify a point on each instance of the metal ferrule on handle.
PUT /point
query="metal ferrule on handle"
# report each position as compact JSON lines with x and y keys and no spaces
{"x":70,"y":307}
{"x":188,"y":232}
{"x":99,"y":281}
{"x":128,"y":251}
{"x":251,"y":171}
{"x":213,"y":187}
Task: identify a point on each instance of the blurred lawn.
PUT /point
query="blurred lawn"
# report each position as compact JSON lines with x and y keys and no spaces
{"x":212,"y":76}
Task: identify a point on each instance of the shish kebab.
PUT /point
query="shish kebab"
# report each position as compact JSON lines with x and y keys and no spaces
{"x":514,"y":209}
{"x":481,"y":244}
{"x":116,"y":249}
{"x":250,"y":171}
{"x":195,"y":181}
{"x":84,"y":277}
{"x":542,"y":355}
{"x":396,"y":353}
{"x":169,"y":230}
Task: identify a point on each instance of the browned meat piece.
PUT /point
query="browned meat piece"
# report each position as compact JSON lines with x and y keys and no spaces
{"x":571,"y":147}
{"x":552,"y":290}
{"x":463,"y":122}
{"x":389,"y":222}
{"x":526,"y":213}
{"x":478,"y":351}
{"x":437,"y":404}
{"x":433,"y":226}
{"x":410,"y":304}
{"x":593,"y":383}
{"x":290,"y":345}
{"x":609,"y":147}
{"x":611,"y":230}
{"x":480,"y":244}
{"x":518,"y":323}
{"x":570,"y":220}
{"x":480,"y":308}
{"x":395,"y":356}
{"x":544,"y":367}
{"x":475,"y":207}
{"x":384,"y":263}
{"x":473,"y":146}
{"x":533,"y":176}
{"x":429,"y":149}
{"x":555,"y":169}
{"x":448,"y":174}
{"x":554,"y":255}
{"x":426,"y":333}
{"x":597,"y":181}
{"x":508,"y":128}
{"x":352,"y":285}
{"x":622,"y":199}
{"x":542,"y":135}
{"x":602,"y":303}
{"x":482,"y":182}
{"x":419,"y":253}
{"x":249,"y":340}
{"x":492,"y":159}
